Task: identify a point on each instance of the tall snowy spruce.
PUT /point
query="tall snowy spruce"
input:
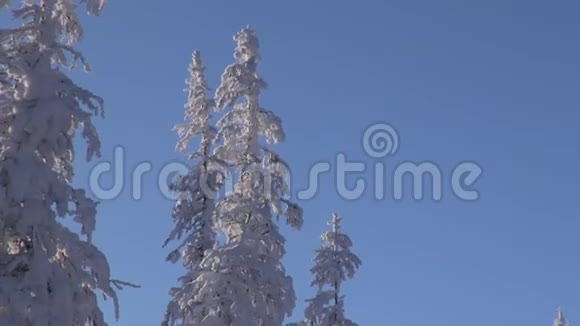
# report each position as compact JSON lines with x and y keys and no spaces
{"x":241,"y":280}
{"x":49,"y":275}
{"x":560,"y":319}
{"x":334,"y":263}
{"x":194,"y":210}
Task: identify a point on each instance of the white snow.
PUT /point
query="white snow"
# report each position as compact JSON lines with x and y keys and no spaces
{"x":240,"y":281}
{"x":49,"y":275}
{"x":334,"y":263}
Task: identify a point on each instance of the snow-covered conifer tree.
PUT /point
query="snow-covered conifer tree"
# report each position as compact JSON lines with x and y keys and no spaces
{"x":49,"y":275}
{"x":560,"y":319}
{"x":242,"y":281}
{"x":334,"y":263}
{"x":194,"y":209}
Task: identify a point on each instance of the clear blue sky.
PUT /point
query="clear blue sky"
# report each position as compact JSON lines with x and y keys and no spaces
{"x":496,"y":82}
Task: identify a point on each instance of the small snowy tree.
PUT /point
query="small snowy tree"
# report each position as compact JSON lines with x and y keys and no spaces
{"x":241,"y":281}
{"x":334,"y":263}
{"x":194,"y":209}
{"x":49,"y":275}
{"x":560,"y":319}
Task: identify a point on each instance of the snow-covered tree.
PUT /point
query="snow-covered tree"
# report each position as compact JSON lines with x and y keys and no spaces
{"x":334,"y":263}
{"x":560,"y":319}
{"x":194,"y":210}
{"x":49,"y":274}
{"x":241,"y":281}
